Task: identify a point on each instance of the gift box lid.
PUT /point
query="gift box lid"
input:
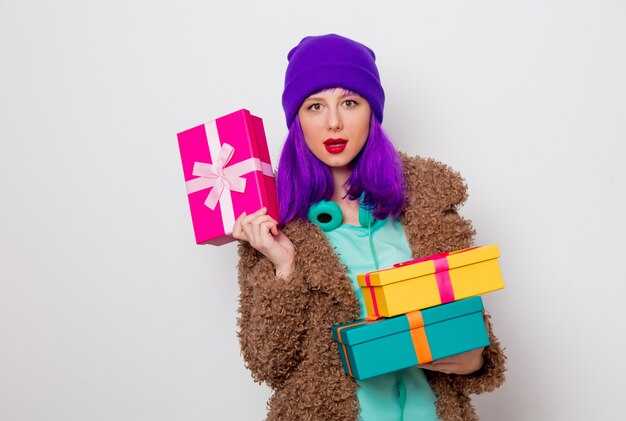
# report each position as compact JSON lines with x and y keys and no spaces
{"x":426,"y":265}
{"x":359,"y":331}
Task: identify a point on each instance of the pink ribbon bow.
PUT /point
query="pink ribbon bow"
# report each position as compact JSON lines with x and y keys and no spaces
{"x":218,"y":176}
{"x":222,"y":176}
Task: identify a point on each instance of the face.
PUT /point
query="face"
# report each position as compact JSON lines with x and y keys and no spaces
{"x":335,"y":125}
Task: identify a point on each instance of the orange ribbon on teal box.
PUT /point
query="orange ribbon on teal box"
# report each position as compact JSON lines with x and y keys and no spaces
{"x":372,"y":348}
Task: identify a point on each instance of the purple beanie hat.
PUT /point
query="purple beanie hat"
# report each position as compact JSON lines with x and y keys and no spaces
{"x":330,"y":61}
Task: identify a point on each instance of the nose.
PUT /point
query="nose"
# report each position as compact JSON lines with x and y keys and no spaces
{"x":334,"y":119}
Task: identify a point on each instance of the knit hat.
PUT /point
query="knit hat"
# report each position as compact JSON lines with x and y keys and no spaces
{"x":330,"y":61}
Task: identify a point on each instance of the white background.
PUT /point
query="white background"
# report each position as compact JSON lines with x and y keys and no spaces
{"x":108,"y":309}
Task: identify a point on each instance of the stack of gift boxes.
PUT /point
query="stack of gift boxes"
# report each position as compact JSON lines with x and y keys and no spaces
{"x":419,"y":311}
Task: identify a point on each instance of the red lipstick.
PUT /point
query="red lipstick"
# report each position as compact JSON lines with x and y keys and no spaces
{"x":335,"y":145}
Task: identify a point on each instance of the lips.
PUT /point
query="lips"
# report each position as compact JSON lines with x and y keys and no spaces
{"x":335,"y":145}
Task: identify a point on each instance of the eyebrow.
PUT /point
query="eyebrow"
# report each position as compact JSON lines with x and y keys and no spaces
{"x":319,"y":98}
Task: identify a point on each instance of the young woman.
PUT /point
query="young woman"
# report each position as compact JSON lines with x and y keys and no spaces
{"x":349,"y":203}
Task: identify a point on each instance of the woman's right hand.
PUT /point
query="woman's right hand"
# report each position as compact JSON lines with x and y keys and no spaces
{"x":261,"y":231}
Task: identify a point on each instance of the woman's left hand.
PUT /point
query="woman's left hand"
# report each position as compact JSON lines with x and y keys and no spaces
{"x":465,"y":363}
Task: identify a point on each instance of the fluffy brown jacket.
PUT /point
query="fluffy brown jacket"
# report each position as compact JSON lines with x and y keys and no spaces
{"x":285,"y":324}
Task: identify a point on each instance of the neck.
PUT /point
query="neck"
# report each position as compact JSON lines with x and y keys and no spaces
{"x":349,"y":208}
{"x":340,"y":176}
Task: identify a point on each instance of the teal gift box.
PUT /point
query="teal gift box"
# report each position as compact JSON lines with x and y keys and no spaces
{"x":372,"y":348}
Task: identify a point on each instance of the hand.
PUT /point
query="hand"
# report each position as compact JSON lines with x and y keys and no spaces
{"x":465,"y":363}
{"x":261,"y":231}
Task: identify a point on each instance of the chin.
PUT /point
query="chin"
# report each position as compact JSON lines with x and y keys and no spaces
{"x":336,"y":160}
{"x":338,"y":163}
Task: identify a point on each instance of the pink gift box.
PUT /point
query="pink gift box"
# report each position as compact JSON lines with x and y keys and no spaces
{"x":227,"y":169}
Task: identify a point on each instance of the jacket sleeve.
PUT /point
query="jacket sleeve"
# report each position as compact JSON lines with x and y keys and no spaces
{"x":491,"y":375}
{"x":488,"y":378}
{"x":271,"y":317}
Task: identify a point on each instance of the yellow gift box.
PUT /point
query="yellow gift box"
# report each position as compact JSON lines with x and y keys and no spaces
{"x":431,"y":281}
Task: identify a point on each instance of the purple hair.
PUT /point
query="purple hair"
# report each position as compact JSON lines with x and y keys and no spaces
{"x":302,"y":179}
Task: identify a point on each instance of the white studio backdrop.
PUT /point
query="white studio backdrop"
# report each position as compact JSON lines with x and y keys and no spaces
{"x":109,"y":311}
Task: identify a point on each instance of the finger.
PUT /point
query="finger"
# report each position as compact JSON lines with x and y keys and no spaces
{"x":243,"y":214}
{"x":446,"y":368}
{"x":431,"y":367}
{"x":265,"y":232}
{"x":247,"y":230}
{"x":256,"y":222}
{"x":248,"y":219}
{"x":270,"y":224}
{"x":435,"y":362}
{"x":443,"y":368}
{"x":238,"y":234}
{"x":260,"y":235}
{"x":238,"y":230}
{"x":261,"y":211}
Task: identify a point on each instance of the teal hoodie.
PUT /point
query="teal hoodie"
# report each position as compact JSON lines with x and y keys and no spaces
{"x":403,"y":395}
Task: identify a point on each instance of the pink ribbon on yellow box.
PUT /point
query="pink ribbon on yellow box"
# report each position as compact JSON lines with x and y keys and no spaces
{"x":442,"y":276}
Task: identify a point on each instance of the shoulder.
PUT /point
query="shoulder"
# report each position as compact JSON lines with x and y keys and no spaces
{"x":434,"y":193}
{"x":432,"y":183}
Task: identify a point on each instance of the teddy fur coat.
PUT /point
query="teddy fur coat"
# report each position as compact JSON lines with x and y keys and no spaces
{"x":285,"y":323}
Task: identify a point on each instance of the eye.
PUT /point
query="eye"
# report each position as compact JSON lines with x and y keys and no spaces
{"x":350,"y":103}
{"x":315,"y":107}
